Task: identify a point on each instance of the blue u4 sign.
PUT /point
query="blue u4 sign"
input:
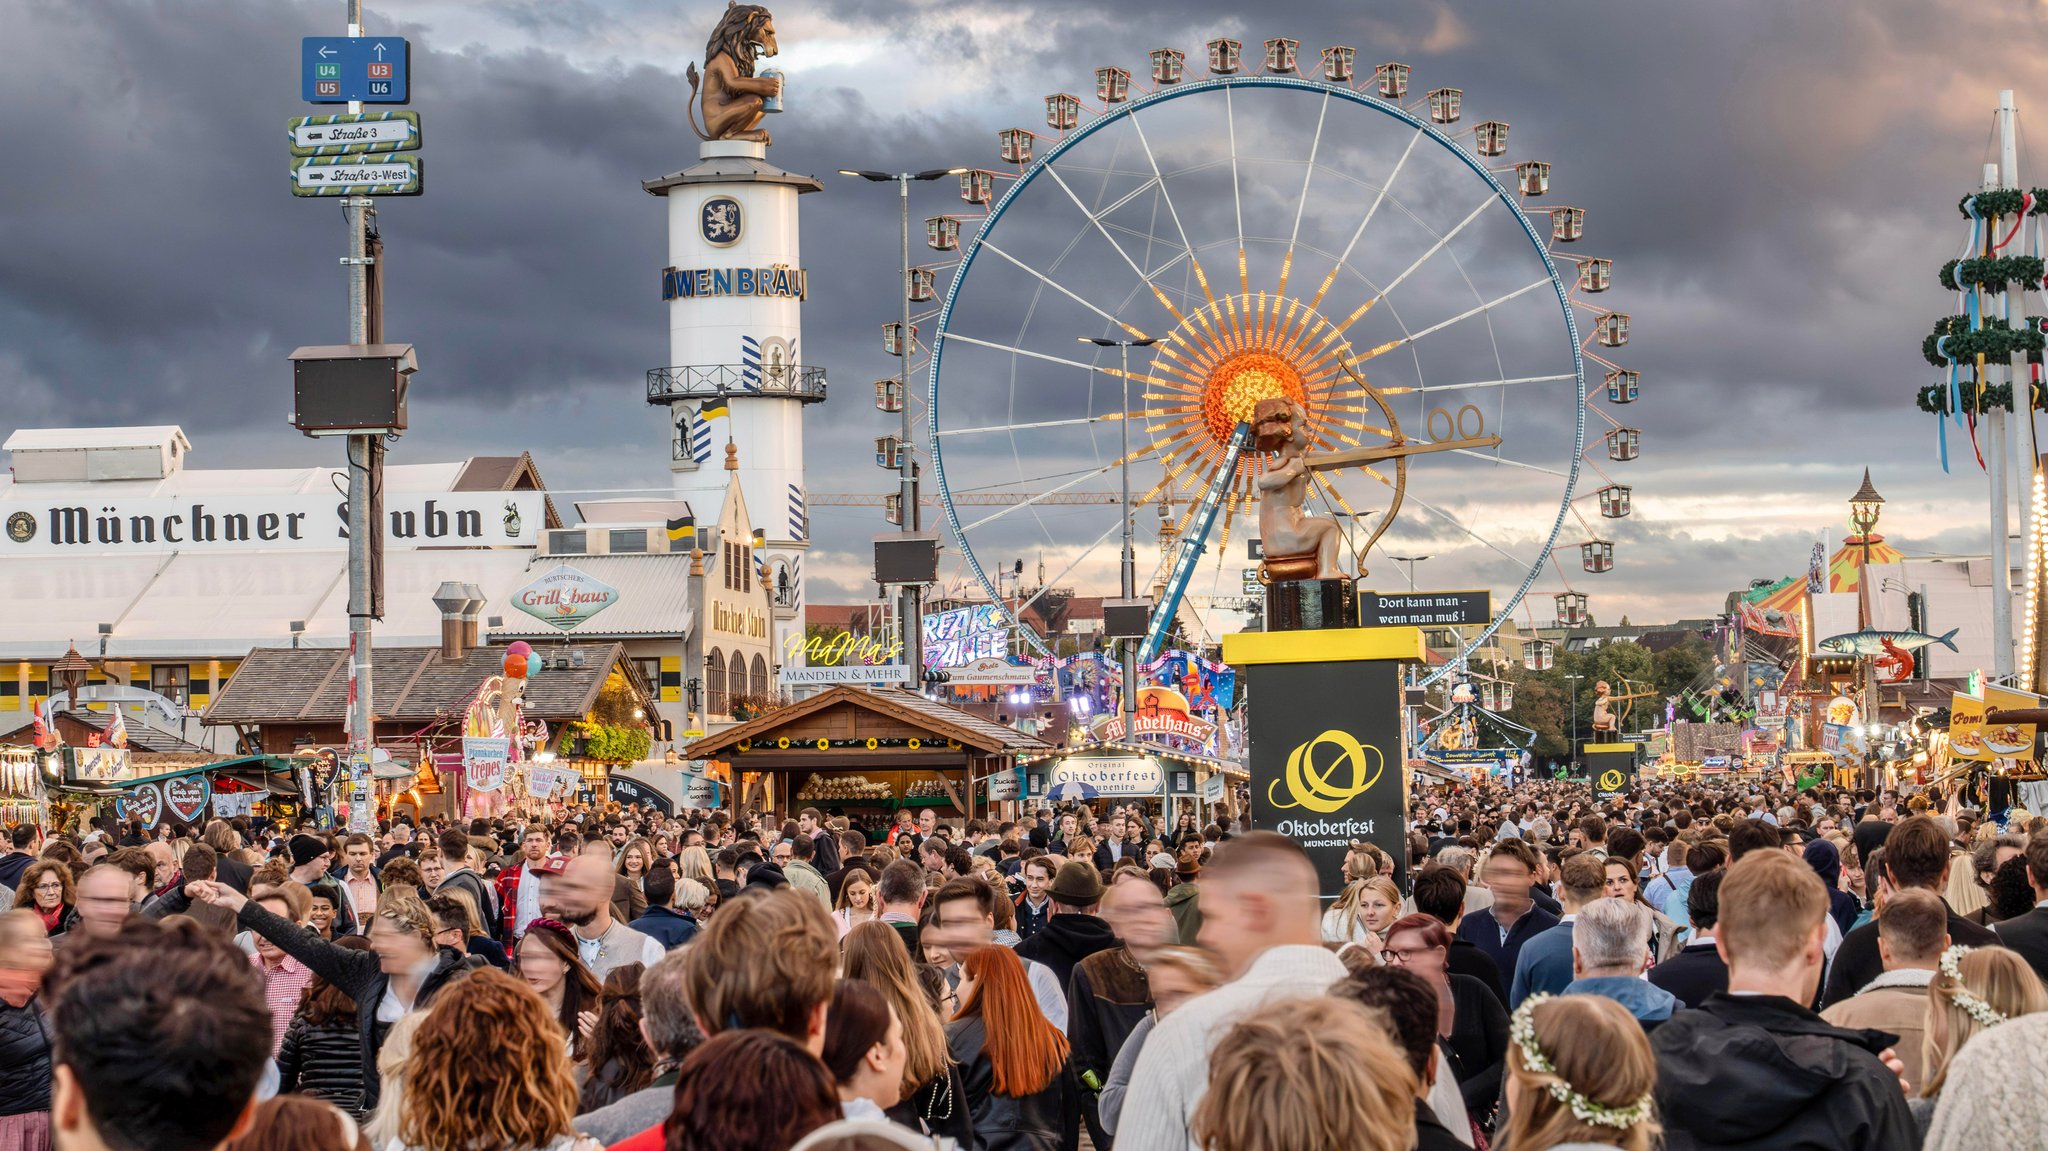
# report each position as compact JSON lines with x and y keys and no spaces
{"x":370,"y":69}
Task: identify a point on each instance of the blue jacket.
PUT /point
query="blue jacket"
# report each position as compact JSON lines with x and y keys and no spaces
{"x":1482,"y":930}
{"x":669,"y":927}
{"x":1646,"y":1001}
{"x":1544,"y":967}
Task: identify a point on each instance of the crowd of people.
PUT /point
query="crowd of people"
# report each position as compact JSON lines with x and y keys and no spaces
{"x":1534,"y":968}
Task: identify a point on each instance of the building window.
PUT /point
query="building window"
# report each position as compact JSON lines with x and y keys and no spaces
{"x":760,"y":676}
{"x":649,"y":667}
{"x":173,"y":681}
{"x":726,"y":561}
{"x":746,"y":568}
{"x":568,"y":543}
{"x":714,"y":684}
{"x":628,"y":541}
{"x":737,"y":675}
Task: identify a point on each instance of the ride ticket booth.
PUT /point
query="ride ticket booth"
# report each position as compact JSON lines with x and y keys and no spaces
{"x":867,"y":751}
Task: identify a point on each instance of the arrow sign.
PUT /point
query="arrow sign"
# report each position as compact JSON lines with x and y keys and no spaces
{"x":351,"y":133}
{"x":357,"y":176}
{"x":338,"y":69}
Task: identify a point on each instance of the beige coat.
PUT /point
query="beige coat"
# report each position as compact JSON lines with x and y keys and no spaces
{"x":1895,"y":1001}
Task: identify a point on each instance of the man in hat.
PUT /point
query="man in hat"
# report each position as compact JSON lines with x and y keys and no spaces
{"x":312,"y":858}
{"x":1183,"y":898}
{"x":1074,"y":932}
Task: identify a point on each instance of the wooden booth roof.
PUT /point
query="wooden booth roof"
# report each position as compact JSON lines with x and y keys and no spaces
{"x":310,"y":685}
{"x":858,"y":714}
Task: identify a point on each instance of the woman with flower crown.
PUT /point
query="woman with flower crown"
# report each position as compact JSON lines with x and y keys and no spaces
{"x":1580,"y":1077}
{"x":1974,"y":990}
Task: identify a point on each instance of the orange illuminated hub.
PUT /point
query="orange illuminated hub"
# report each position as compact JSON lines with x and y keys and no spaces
{"x":1236,"y":385}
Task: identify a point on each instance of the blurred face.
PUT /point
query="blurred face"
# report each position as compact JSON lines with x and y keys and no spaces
{"x":104,"y":900}
{"x":1410,"y":950}
{"x":1137,"y":913}
{"x":1509,"y":881}
{"x":926,"y":820}
{"x":578,"y":894}
{"x":398,"y":948}
{"x":270,"y":952}
{"x":1377,"y":913}
{"x":542,"y":969}
{"x":1621,"y":884}
{"x":48,"y":891}
{"x":432,"y":868}
{"x":358,"y":856}
{"x":1171,"y":987}
{"x":959,"y":927}
{"x":886,"y":1060}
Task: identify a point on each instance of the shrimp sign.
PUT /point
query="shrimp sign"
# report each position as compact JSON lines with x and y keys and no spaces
{"x":565,"y":597}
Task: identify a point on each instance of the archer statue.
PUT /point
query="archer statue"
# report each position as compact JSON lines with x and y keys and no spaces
{"x":732,"y":97}
{"x":1298,"y":546}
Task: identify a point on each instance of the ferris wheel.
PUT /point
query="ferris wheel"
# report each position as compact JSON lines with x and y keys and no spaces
{"x":1159,"y":260}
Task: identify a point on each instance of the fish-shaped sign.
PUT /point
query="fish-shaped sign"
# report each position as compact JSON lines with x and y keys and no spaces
{"x":1874,"y":642}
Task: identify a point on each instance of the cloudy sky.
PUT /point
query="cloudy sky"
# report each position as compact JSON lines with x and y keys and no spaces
{"x":1776,"y":184}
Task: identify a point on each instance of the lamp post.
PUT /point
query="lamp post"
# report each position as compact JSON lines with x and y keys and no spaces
{"x":1130,"y":561}
{"x":1411,"y":561}
{"x":909,"y":622}
{"x":1864,"y":508}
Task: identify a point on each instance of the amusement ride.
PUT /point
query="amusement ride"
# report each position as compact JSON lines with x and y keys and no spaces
{"x":1153,"y":263}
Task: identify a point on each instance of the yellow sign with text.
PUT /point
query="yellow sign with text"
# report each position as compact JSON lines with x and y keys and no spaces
{"x":2014,"y":741}
{"x":1966,"y":729}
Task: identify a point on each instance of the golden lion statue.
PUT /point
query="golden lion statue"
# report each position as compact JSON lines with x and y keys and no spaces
{"x":731,"y":95}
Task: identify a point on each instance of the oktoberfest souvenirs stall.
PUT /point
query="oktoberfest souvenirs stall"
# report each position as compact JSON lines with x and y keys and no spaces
{"x":867,"y":749}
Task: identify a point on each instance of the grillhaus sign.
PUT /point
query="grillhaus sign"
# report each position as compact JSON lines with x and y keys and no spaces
{"x":140,"y":524}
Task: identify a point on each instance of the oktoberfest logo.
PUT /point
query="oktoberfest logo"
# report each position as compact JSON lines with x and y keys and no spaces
{"x":1325,"y":782}
{"x":1611,"y":779}
{"x":719,"y":221}
{"x":21,"y":527}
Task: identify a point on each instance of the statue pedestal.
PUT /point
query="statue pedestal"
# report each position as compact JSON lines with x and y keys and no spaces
{"x":1310,"y":605}
{"x":1323,"y":715}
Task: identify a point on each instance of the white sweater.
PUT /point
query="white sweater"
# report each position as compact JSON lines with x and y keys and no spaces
{"x":1173,"y":1070}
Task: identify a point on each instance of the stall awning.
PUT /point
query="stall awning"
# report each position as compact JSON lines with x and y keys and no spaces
{"x":971,"y":732}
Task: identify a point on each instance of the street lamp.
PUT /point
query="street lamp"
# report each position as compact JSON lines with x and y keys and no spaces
{"x":910,"y":616}
{"x":1130,"y":564}
{"x":1864,"y":508}
{"x":1411,"y":561}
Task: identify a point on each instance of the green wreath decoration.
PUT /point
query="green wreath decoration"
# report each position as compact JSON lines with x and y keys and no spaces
{"x":1994,"y":340}
{"x":2003,"y":202}
{"x":1992,"y":273}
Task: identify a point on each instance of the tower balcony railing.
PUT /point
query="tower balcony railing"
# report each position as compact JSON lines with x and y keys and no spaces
{"x":800,"y":382}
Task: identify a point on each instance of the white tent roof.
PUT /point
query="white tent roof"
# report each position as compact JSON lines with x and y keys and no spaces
{"x":220,"y":605}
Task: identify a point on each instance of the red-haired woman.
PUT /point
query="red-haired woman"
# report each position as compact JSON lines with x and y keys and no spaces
{"x":1470,"y":1020}
{"x":1019,"y":1087}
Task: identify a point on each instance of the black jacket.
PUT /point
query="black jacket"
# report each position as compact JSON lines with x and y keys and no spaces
{"x":1030,"y":922}
{"x":939,"y":1108}
{"x":358,"y":974}
{"x":1478,"y":1047}
{"x":1749,"y":1073}
{"x":1482,"y":930}
{"x":1042,"y":1122}
{"x":1106,"y":998}
{"x":24,"y":1058}
{"x":12,"y":865}
{"x":325,"y":1062}
{"x":1431,"y":1134}
{"x":1066,"y":940}
{"x":2028,"y":935}
{"x":1694,"y":973}
{"x":1857,"y":962}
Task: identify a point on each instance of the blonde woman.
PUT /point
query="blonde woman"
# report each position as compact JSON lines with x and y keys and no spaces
{"x":856,"y":901}
{"x":1580,"y":1075}
{"x":934,"y":1097}
{"x":383,"y":1125}
{"x":1363,"y":912}
{"x":1974,"y":990}
{"x":1307,"y":1074}
{"x":695,"y":863}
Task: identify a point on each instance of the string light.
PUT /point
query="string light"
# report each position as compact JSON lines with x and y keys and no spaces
{"x":2037,"y":550}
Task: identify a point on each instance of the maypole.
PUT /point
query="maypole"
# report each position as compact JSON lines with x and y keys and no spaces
{"x":2000,"y":260}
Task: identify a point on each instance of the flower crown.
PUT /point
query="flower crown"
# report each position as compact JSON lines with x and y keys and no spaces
{"x":1523,"y":1031}
{"x":1978,"y":1009}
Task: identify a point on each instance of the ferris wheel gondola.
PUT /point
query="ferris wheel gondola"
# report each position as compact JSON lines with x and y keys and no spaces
{"x":1271,"y":234}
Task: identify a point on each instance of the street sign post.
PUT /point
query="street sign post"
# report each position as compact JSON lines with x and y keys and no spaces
{"x":369,"y":69}
{"x":357,"y":176}
{"x":351,"y":133}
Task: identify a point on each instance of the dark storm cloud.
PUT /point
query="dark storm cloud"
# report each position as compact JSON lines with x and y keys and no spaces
{"x":1775,"y":182}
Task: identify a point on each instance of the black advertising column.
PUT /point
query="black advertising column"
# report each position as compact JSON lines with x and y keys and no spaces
{"x":1323,"y":717}
{"x":1612,"y":766}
